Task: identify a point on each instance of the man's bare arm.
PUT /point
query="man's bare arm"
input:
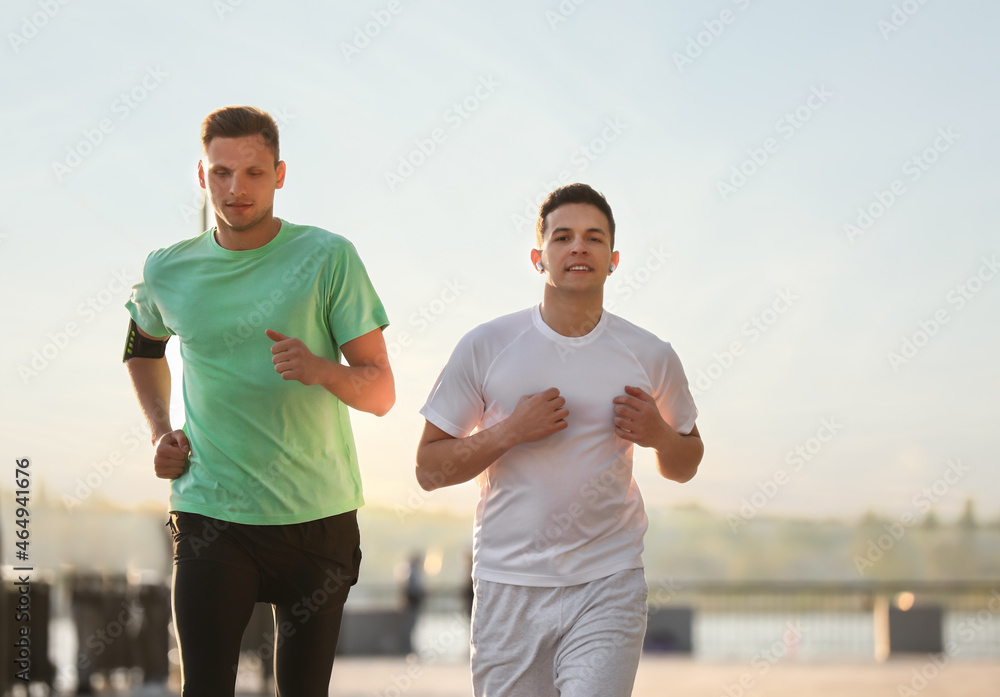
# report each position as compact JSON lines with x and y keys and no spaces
{"x":678,"y":457}
{"x":638,"y":420}
{"x":443,"y":460}
{"x":366,"y":384}
{"x":151,"y":382}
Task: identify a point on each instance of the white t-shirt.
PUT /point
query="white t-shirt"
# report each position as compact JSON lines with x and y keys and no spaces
{"x":565,"y":509}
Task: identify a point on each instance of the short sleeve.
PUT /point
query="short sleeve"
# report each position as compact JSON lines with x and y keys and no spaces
{"x":354,"y":308}
{"x":456,"y":403}
{"x":143,"y":309}
{"x":672,"y":395}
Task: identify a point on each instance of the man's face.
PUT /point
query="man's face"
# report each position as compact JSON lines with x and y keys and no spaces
{"x":576,"y":248}
{"x":240,"y":177}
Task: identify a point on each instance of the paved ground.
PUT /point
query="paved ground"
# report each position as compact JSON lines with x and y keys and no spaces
{"x":667,"y":677}
{"x":680,"y":677}
{"x":687,"y":678}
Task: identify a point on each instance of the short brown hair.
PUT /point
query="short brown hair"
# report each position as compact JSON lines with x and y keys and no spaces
{"x":574,"y":193}
{"x":239,"y":121}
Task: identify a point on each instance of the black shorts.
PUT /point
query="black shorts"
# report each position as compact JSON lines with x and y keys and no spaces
{"x":222,"y":569}
{"x":300,"y":563}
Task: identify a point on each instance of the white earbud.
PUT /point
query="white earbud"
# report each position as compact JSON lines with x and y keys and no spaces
{"x":538,"y":265}
{"x":613,"y":267}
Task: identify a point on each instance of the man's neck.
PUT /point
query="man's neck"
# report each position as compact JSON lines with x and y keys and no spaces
{"x":253,"y":238}
{"x":571,"y":314}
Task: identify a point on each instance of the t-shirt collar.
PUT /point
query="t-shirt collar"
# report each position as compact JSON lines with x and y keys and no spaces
{"x":276,"y":241}
{"x":551,"y":334}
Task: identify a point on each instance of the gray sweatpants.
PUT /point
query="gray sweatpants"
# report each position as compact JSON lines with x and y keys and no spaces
{"x":574,"y":641}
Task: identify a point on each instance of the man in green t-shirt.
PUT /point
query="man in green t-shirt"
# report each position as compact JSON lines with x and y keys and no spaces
{"x":264,"y":474}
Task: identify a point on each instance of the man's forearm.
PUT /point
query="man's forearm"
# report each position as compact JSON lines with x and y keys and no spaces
{"x":678,"y":456}
{"x":366,"y":387}
{"x":151,"y":382}
{"x":451,"y":461}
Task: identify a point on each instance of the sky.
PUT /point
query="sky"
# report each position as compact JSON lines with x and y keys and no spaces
{"x":804,"y":193}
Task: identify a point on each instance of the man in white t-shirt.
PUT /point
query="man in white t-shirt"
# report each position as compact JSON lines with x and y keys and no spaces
{"x":542,"y":407}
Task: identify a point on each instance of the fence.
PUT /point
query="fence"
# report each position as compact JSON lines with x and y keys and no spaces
{"x":819,"y":621}
{"x":708,"y":620}
{"x":809,"y":620}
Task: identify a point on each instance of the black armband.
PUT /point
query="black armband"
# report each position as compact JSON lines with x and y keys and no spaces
{"x":139,"y":346}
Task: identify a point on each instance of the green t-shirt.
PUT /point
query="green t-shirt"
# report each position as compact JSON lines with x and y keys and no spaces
{"x":264,"y":450}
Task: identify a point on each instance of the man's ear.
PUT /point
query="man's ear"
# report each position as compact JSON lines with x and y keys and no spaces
{"x":614,"y":261}
{"x":201,"y":174}
{"x":280,"y":171}
{"x":536,"y":260}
